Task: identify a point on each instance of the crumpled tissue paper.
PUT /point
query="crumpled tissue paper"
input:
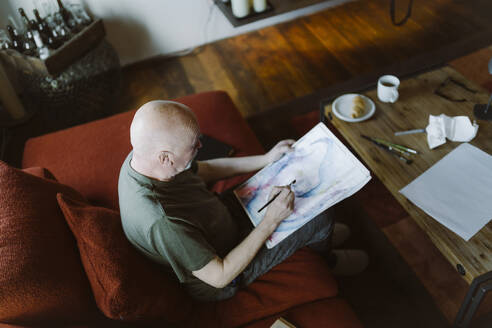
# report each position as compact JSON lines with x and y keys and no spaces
{"x":458,"y":128}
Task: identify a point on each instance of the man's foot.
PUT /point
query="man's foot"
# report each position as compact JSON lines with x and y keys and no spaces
{"x":341,"y":232}
{"x":348,"y":262}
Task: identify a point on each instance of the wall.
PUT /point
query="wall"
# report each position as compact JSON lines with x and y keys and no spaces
{"x":139,"y":29}
{"x":5,"y":11}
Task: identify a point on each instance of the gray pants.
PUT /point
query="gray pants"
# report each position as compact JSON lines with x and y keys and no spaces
{"x":315,"y":234}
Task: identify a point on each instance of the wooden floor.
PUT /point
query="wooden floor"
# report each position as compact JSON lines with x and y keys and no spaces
{"x":271,"y":66}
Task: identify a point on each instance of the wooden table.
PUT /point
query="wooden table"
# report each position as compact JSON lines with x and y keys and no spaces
{"x":472,"y":259}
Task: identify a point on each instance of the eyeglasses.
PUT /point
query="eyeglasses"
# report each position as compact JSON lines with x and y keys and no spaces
{"x":448,"y":80}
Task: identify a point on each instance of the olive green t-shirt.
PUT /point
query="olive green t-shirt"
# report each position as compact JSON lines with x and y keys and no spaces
{"x":177,"y":223}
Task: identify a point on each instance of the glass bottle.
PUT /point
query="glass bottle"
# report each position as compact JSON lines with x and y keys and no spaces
{"x":33,"y":43}
{"x":43,"y":51}
{"x":5,"y":42}
{"x":42,"y":27}
{"x":29,"y":46}
{"x":68,"y":17}
{"x":80,"y":15}
{"x":59,"y":30}
{"x":54,"y":40}
{"x":26,"y":21}
{"x":16,"y":39}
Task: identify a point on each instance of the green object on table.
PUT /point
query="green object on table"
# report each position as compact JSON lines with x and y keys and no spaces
{"x":403,"y":148}
{"x":389,"y":149}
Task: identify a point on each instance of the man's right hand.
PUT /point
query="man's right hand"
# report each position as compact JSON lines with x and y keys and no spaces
{"x":220,"y":272}
{"x":282,"y":206}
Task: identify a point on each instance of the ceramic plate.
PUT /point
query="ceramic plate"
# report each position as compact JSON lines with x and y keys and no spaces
{"x":342,"y":107}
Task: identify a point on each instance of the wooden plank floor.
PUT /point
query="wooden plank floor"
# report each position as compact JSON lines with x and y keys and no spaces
{"x":274,"y":65}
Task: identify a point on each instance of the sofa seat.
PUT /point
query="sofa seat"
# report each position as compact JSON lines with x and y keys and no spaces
{"x":88,"y":158}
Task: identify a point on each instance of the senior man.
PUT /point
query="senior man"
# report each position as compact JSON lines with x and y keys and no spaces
{"x":171,"y":217}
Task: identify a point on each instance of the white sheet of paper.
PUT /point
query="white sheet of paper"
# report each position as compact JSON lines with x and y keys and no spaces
{"x":456,"y":191}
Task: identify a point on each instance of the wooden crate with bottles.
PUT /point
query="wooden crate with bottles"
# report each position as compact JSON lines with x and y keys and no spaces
{"x":54,"y":41}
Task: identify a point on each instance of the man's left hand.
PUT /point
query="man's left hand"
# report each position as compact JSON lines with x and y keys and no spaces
{"x":279,"y":150}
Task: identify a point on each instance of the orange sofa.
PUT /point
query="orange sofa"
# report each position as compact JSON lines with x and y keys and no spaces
{"x":64,"y":259}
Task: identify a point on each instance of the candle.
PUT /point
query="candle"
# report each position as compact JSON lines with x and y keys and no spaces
{"x":240,"y":8}
{"x":259,"y":5}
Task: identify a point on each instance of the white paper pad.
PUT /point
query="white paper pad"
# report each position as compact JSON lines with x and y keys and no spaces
{"x":456,"y":191}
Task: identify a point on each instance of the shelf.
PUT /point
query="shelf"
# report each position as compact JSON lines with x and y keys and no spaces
{"x":279,"y":7}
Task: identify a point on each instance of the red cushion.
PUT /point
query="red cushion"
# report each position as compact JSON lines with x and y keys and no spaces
{"x":40,"y":172}
{"x":302,"y":278}
{"x":328,"y":313}
{"x":129,"y":287}
{"x":126,"y":285}
{"x":41,"y":276}
{"x":88,"y":157}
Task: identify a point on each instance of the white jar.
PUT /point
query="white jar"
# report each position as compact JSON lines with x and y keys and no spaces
{"x":240,"y":8}
{"x":259,"y":5}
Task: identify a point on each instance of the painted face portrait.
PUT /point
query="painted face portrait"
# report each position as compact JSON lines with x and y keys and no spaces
{"x":324,"y":171}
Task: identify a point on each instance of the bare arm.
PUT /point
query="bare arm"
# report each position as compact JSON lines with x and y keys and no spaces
{"x":220,"y":272}
{"x":221,"y":168}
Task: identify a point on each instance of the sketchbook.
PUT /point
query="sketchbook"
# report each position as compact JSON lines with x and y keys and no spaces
{"x":326,"y":172}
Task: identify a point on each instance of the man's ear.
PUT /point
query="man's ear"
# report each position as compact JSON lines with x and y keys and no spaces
{"x":166,"y":158}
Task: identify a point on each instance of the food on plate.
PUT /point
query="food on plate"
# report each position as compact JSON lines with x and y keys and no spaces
{"x":358,"y":107}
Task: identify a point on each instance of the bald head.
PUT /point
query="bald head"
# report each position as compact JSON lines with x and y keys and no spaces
{"x":162,"y":126}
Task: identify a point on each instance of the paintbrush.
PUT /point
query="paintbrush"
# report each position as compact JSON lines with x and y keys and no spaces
{"x":275,"y":196}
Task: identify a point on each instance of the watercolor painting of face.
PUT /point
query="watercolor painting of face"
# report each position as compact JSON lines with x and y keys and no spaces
{"x":325,"y":173}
